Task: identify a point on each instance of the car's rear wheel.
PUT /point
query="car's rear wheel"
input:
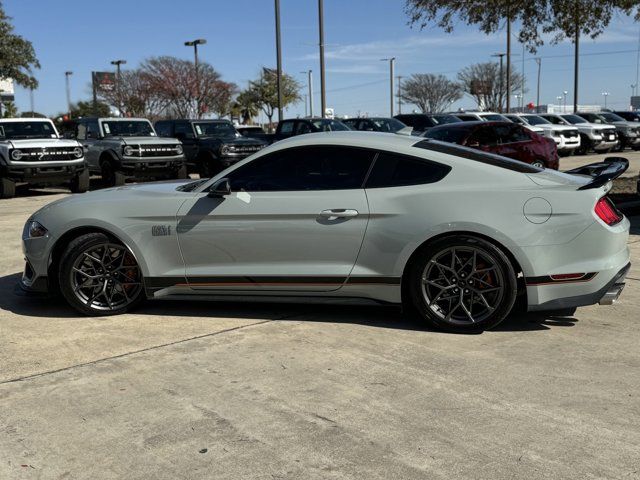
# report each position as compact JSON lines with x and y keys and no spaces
{"x":463,"y":284}
{"x":100,"y":276}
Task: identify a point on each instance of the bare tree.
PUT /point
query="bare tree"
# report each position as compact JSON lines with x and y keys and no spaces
{"x":136,"y":95}
{"x":482,"y":82}
{"x":431,"y":93}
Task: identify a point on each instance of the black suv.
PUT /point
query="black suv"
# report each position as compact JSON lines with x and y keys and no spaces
{"x":209,"y":146}
{"x":421,"y":122}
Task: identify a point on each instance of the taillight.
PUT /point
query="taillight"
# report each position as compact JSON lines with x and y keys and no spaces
{"x":607,"y":212}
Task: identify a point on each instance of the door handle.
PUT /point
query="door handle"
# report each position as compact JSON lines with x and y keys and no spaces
{"x":335,"y":213}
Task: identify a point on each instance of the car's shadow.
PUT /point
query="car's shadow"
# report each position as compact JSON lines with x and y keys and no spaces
{"x":15,"y":300}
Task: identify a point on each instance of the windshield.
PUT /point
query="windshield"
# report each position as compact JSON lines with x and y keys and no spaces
{"x":123,"y":128}
{"x":536,"y":120}
{"x":17,"y":130}
{"x":516,"y":119}
{"x":329,"y":126}
{"x":612,"y":117}
{"x":215,"y":129}
{"x":494,"y":116}
{"x":574,"y":119}
{"x":444,"y":119}
{"x":388,"y":124}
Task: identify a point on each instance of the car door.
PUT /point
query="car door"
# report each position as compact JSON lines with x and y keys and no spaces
{"x":88,"y":133}
{"x":513,"y":142}
{"x":295,"y":221}
{"x":183,"y":131}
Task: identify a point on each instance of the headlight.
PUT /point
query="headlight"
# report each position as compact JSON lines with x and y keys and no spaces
{"x":36,"y":230}
{"x":224,"y":150}
{"x":78,"y":152}
{"x":16,"y":154}
{"x":128,"y":150}
{"x":179,"y":149}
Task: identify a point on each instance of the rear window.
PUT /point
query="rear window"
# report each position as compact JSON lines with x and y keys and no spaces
{"x":394,"y":170}
{"x":477,"y":156}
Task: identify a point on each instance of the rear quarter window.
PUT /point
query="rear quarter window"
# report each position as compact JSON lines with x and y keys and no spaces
{"x":394,"y":170}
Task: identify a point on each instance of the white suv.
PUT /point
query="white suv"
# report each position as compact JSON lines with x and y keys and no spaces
{"x":32,"y":152}
{"x":567,"y":137}
{"x":601,"y":138}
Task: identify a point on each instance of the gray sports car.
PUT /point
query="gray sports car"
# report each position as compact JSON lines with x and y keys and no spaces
{"x":456,"y":234}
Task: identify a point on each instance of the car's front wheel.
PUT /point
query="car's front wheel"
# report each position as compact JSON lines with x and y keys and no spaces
{"x":100,"y":276}
{"x":462,"y":284}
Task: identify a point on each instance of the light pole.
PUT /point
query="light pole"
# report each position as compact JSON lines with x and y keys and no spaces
{"x":565,"y":93}
{"x":67,"y":74}
{"x":194,"y":44}
{"x":309,"y":74}
{"x":391,"y":61}
{"x":117,"y":63}
{"x":500,"y":92}
{"x":605,"y":95}
{"x":279,"y":61}
{"x":399,"y":77}
{"x":518,"y":96}
{"x":539,"y":62}
{"x":323,"y":99}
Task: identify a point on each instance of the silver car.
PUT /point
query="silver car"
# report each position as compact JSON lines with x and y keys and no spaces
{"x":458,"y":235}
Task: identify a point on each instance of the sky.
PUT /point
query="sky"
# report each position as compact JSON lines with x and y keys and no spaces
{"x":85,"y":35}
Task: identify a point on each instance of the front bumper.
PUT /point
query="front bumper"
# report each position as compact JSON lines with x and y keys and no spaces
{"x":42,"y":174}
{"x":151,"y":167}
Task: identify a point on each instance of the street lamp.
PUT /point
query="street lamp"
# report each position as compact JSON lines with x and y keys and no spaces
{"x":605,"y":95}
{"x":117,"y":63}
{"x":518,"y":96}
{"x":67,"y":74}
{"x":501,"y":55}
{"x":565,"y":93}
{"x":391,"y":61}
{"x":194,"y":44}
{"x":309,"y":74}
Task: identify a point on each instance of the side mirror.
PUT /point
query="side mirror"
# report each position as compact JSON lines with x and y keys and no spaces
{"x":473,"y":144}
{"x":220,"y":189}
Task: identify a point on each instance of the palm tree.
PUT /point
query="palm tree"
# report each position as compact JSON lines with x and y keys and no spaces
{"x":245,"y":106}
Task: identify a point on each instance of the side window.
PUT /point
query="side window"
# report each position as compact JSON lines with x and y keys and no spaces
{"x":183,"y":128}
{"x":93,"y":130}
{"x":393,"y":170}
{"x":163,"y":129}
{"x":351,"y":123}
{"x":483,"y":137}
{"x":286,"y":128}
{"x":304,"y":168}
{"x":81,"y":131}
{"x":303,"y":127}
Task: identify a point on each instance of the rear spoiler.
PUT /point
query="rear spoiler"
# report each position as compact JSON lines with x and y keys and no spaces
{"x":601,"y":172}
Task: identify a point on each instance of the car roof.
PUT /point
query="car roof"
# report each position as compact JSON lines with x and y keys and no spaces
{"x":114,"y":119}
{"x":25,"y":119}
{"x":475,"y":123}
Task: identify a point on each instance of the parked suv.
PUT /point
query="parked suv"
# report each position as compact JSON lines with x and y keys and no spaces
{"x":567,"y":137}
{"x":629,"y":115}
{"x":209,"y":146}
{"x":628,"y":132}
{"x":421,"y":122}
{"x":502,"y":138}
{"x":601,"y":138}
{"x":121,"y":148}
{"x":32,"y":152}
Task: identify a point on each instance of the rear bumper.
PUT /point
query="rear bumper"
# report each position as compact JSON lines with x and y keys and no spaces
{"x":606,"y":295}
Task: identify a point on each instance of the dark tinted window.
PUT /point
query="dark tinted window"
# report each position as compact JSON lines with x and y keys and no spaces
{"x":351,"y":123}
{"x":304,"y":168}
{"x":451,"y":135}
{"x":467,"y":118}
{"x":183,"y":128}
{"x":393,"y":170}
{"x":418,"y":122}
{"x":484,"y":136}
{"x":286,"y":128}
{"x":302,"y":128}
{"x":163,"y":129}
{"x":511,"y":134}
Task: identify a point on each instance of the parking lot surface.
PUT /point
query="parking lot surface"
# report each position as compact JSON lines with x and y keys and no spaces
{"x":272,"y":391}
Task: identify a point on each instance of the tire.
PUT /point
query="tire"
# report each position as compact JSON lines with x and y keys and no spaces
{"x":182,"y":173}
{"x":538,"y":163}
{"x":7,"y":188}
{"x":81,"y":281}
{"x":80,"y":183}
{"x":489,"y":291}
{"x":210,"y":167}
{"x":110,"y":176}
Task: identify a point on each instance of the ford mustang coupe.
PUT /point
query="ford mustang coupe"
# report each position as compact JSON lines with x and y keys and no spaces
{"x":457,"y":235}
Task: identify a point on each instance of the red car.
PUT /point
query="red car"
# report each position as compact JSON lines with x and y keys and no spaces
{"x":502,"y":138}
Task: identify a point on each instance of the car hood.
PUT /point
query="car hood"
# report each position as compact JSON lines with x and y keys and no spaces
{"x":595,"y":126}
{"x":146,"y":140}
{"x":133,"y":195}
{"x":233,"y":140}
{"x":42,"y":142}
